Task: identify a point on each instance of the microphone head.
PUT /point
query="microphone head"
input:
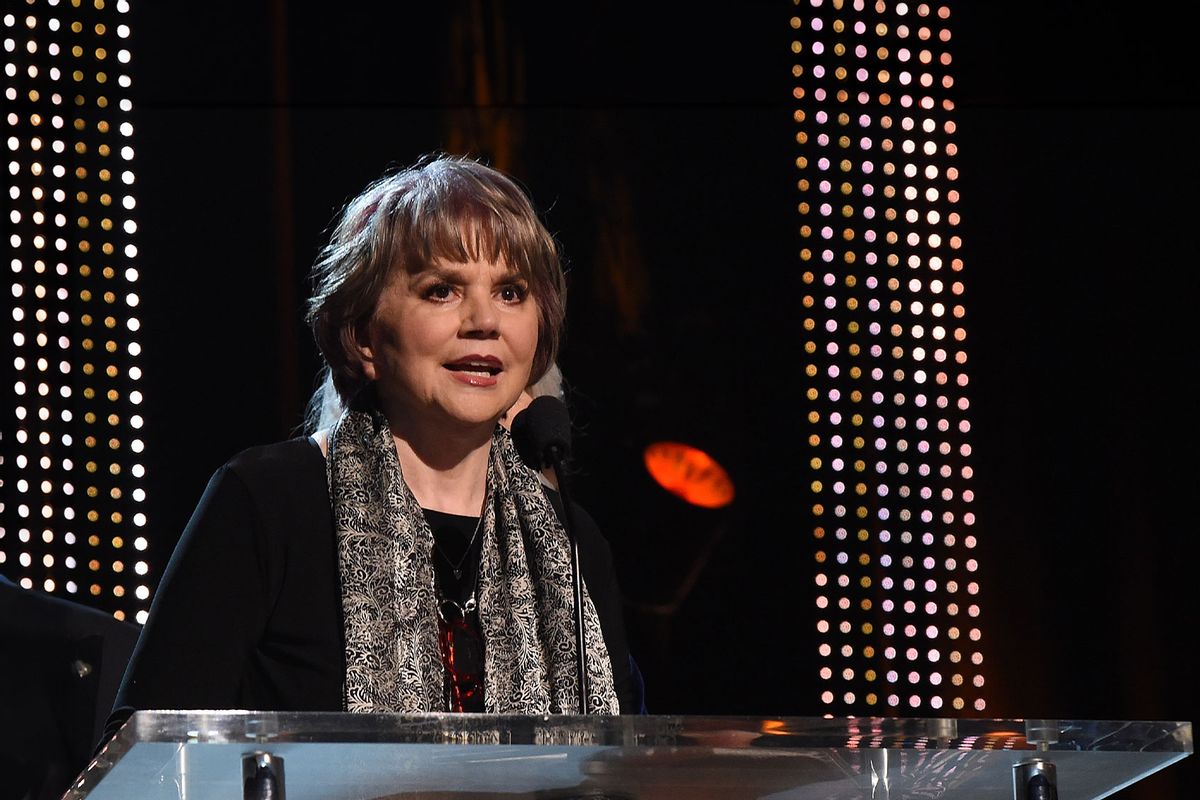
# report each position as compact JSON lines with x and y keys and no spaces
{"x":542,"y":431}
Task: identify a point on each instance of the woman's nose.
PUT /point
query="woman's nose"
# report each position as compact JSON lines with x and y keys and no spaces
{"x":479,"y":320}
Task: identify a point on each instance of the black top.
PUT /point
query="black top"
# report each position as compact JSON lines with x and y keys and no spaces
{"x":248,"y":612}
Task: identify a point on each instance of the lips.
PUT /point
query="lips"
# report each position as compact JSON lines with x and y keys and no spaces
{"x":476,"y":365}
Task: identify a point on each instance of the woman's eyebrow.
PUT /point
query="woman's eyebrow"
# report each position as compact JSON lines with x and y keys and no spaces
{"x":440,"y":272}
{"x":454,"y":273}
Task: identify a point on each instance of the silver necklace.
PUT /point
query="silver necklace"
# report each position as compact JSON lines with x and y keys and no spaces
{"x":451,"y":610}
{"x":457,"y":568}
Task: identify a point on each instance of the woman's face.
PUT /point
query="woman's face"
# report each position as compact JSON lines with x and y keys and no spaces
{"x":452,"y":345}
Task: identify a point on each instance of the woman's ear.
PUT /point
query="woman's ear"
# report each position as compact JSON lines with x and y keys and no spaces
{"x":359,"y":342}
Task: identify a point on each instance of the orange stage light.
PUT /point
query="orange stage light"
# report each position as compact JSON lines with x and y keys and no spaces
{"x":689,"y":473}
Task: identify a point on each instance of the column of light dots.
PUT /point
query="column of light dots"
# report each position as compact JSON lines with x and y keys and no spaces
{"x":72,"y":519}
{"x":896,"y":575}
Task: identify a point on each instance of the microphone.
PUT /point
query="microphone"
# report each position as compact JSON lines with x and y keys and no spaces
{"x":542,"y":435}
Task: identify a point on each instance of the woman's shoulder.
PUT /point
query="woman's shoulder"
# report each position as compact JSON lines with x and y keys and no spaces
{"x":298,"y":454}
{"x":283,"y":484}
{"x":280,"y":467}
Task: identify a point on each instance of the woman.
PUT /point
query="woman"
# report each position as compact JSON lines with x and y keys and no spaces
{"x":401,"y":559}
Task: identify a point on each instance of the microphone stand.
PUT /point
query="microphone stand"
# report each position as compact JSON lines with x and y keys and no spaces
{"x":555,"y":458}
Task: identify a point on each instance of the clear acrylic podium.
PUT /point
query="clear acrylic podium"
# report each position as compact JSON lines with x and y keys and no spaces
{"x":205,"y":755}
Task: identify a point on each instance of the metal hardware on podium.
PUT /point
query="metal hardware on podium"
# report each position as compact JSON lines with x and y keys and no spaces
{"x":1034,"y":779}
{"x":1042,"y":732}
{"x":944,"y":731}
{"x":877,"y":766}
{"x":262,"y":777}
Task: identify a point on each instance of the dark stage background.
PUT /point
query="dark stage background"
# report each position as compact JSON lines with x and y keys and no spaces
{"x":659,"y":139}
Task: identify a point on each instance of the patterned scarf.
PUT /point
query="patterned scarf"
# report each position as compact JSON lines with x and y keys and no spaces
{"x":389,"y":599}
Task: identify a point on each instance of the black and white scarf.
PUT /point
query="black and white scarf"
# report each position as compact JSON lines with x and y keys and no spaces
{"x":389,"y":597}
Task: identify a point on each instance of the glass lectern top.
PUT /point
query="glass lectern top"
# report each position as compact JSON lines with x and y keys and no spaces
{"x":197,"y":755}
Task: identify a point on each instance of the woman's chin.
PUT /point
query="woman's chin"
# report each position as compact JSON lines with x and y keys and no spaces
{"x":472,"y":418}
{"x":452,"y":413}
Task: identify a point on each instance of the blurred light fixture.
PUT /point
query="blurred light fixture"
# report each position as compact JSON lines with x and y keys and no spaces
{"x":689,"y":473}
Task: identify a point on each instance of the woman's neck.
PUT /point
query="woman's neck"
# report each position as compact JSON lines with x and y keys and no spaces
{"x":447,"y":472}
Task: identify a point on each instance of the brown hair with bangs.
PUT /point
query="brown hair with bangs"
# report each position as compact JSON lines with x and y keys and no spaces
{"x":448,"y":208}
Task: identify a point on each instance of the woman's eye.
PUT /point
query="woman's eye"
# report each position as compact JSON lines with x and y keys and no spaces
{"x":440,"y":291}
{"x":513,"y":293}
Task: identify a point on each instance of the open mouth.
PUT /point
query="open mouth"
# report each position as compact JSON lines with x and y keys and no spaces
{"x":476,"y":365}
